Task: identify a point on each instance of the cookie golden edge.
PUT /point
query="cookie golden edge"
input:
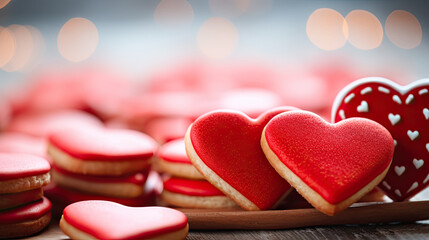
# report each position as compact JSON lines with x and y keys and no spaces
{"x":98,"y":168}
{"x":186,"y":201}
{"x":182,"y":170}
{"x":25,"y":183}
{"x":75,"y":233}
{"x":315,"y":199}
{"x":120,"y":190}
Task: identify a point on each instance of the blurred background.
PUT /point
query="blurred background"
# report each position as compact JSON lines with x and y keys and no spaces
{"x":129,"y":62}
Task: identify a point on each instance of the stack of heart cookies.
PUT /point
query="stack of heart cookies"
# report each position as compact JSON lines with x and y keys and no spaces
{"x":23,"y":209}
{"x":184,"y":186}
{"x":110,"y":164}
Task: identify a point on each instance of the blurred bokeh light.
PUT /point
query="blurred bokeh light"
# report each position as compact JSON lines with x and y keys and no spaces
{"x":77,"y":39}
{"x":363,"y":29}
{"x":403,"y":29}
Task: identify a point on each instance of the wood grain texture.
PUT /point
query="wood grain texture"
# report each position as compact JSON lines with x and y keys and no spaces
{"x":283,"y":219}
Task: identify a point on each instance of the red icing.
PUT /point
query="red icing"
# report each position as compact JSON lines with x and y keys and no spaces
{"x":108,"y":220}
{"x":63,"y":196}
{"x":10,"y":200}
{"x":412,"y":118}
{"x":134,"y":178}
{"x":175,"y":152}
{"x":27,"y":212}
{"x":335,"y":160}
{"x":19,"y":165}
{"x":99,"y":144}
{"x":42,"y":124}
{"x":200,"y":188}
{"x":228,"y":143}
{"x":21,"y":143}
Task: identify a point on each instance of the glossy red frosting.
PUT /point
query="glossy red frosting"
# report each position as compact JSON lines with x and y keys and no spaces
{"x":19,"y":165}
{"x":404,"y":111}
{"x":22,"y":143}
{"x":134,"y":178}
{"x":31,"y":211}
{"x":228,"y":142}
{"x":102,"y":144}
{"x":109,"y":220}
{"x":175,"y":152}
{"x":335,"y":160}
{"x":200,"y":188}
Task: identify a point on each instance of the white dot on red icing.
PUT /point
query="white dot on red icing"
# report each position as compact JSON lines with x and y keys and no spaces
{"x":414,"y":186}
{"x":394,"y":118}
{"x":423,"y":91}
{"x":366,"y":90}
{"x":363,"y":107}
{"x":395,"y":142}
{"x":398,"y":192}
{"x":426,"y":179}
{"x":427,"y":146}
{"x":349,"y":98}
{"x":426,"y":113}
{"x":383,"y":90}
{"x":413,"y":135}
{"x":399,"y":170}
{"x":342,"y":114}
{"x":397,"y":99}
{"x":418,"y":163}
{"x":409,"y":99}
{"x":387,"y":185}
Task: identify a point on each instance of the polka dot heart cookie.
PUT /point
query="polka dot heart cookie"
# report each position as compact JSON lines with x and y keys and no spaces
{"x":109,"y":220}
{"x":331,"y":165}
{"x":404,"y":111}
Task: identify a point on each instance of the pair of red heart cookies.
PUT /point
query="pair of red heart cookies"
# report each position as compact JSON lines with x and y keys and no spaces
{"x":331,"y":165}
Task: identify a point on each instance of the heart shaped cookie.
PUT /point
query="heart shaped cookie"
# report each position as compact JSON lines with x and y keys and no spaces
{"x":404,"y":111}
{"x":330,"y":165}
{"x":224,"y":146}
{"x":109,"y":220}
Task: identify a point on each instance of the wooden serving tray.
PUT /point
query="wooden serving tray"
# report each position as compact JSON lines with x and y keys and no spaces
{"x":358,"y":213}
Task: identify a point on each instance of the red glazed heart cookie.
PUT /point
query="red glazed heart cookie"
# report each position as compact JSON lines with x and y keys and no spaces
{"x":330,"y":165}
{"x":108,"y":220}
{"x":404,"y":111}
{"x":224,"y":147}
{"x":100,"y":151}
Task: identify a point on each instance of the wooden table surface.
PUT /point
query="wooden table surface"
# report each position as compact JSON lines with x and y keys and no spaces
{"x":415,"y":230}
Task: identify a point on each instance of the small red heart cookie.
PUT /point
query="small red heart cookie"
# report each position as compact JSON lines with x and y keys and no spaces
{"x":330,"y":165}
{"x":101,"y":151}
{"x":404,"y":111}
{"x":108,"y":220}
{"x":224,"y":146}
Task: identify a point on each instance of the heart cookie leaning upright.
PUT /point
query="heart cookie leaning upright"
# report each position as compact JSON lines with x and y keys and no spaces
{"x":404,"y":111}
{"x":330,"y":165}
{"x":224,"y":146}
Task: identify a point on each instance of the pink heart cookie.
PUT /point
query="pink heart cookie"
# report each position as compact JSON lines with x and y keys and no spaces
{"x":224,"y":146}
{"x":108,"y":220}
{"x":330,"y":165}
{"x":404,"y":111}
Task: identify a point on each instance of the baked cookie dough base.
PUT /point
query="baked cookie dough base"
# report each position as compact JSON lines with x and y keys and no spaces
{"x":186,"y":201}
{"x":181,"y":170}
{"x":308,"y":193}
{"x":75,"y":233}
{"x":98,"y":168}
{"x":120,"y":190}
{"x":22,"y":229}
{"x":25,"y":183}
